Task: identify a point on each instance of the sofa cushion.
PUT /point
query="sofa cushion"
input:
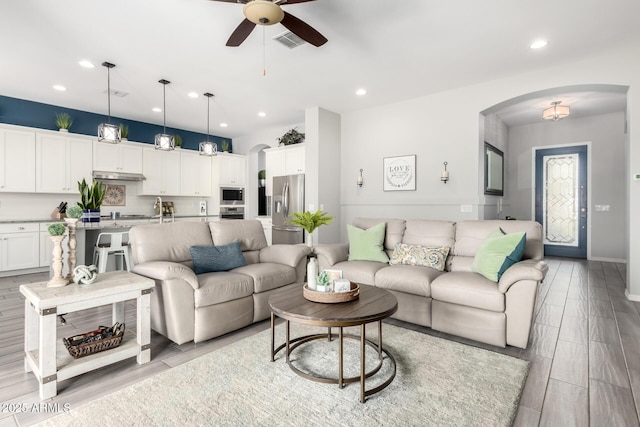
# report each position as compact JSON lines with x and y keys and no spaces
{"x":411,"y":279}
{"x":470,"y":235}
{"x":168,"y":241}
{"x":424,"y":256}
{"x":359,"y":271}
{"x":207,"y":259}
{"x":366,"y":245}
{"x":497,"y":253}
{"x":394,"y":229}
{"x":249,"y":232}
{"x":429,"y":233}
{"x":267,"y":275}
{"x":222,"y":286}
{"x":470,"y":289}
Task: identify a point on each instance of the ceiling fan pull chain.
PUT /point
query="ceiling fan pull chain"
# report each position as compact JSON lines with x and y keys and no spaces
{"x":264,"y":53}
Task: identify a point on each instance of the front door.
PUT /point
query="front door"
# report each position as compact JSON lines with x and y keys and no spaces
{"x":561,"y":200}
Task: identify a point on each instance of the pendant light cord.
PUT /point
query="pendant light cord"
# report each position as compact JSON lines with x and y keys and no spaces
{"x":264,"y":53}
{"x":164,"y":108}
{"x":208,"y":102}
{"x":108,"y":95}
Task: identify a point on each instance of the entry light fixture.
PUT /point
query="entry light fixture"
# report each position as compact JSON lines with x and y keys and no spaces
{"x":444,"y":177}
{"x":163,"y":141}
{"x":360,"y":180}
{"x":208,"y":148}
{"x":108,"y":132}
{"x":556,"y":111}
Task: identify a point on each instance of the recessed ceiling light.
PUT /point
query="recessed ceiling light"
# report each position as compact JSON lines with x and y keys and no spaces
{"x":193,"y":95}
{"x":223,"y":125}
{"x":262,"y":114}
{"x":60,"y":88}
{"x":361,"y":92}
{"x":538,"y":44}
{"x":156,"y":110}
{"x":86,"y":64}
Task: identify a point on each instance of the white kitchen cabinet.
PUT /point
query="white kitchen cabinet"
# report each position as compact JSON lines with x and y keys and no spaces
{"x":17,"y":161}
{"x":281,"y":161}
{"x":19,"y":246}
{"x":162,"y":170}
{"x":123,"y":157}
{"x":61,"y":162}
{"x":231,"y":169}
{"x":267,"y":227}
{"x":195,"y":174}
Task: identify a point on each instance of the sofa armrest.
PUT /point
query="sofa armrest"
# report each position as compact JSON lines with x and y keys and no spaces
{"x":523,"y":270}
{"x":290,"y":255}
{"x":165,"y":270}
{"x":331,"y":254}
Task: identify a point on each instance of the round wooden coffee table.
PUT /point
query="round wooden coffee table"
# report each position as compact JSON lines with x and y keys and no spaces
{"x":373,"y":305}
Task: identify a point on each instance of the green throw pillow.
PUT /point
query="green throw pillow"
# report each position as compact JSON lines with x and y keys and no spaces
{"x":367,"y":245}
{"x":497,"y":253}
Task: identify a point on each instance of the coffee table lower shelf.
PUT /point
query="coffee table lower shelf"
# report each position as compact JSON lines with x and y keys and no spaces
{"x":291,"y":344}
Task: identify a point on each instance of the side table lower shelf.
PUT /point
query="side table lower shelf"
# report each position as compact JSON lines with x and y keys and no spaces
{"x":68,"y":367}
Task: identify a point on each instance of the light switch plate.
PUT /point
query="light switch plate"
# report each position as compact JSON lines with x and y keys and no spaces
{"x":466,"y":208}
{"x":603,"y":208}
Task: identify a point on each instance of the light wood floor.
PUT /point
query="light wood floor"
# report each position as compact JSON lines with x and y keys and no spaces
{"x":584,"y":351}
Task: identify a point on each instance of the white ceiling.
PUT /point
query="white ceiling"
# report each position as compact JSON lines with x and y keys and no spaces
{"x":397,"y":50}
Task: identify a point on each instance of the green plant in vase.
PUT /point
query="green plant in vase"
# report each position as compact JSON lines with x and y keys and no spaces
{"x":91,"y":197}
{"x":225,"y":145}
{"x":56,"y":229}
{"x":63,"y":121}
{"x":74,"y":212}
{"x":124,"y":131}
{"x":323,"y":282}
{"x":262,"y":177}
{"x":309,"y":221}
{"x":177,"y":139}
{"x":292,"y":136}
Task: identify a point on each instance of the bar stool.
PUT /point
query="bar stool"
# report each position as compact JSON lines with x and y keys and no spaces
{"x":111,"y":244}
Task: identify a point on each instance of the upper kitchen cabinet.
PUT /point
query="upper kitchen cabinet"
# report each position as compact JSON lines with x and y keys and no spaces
{"x":288,"y":160}
{"x":123,"y":157}
{"x":61,"y":162}
{"x":231,"y":169}
{"x":162,"y":172}
{"x":17,"y":161}
{"x":195,"y":174}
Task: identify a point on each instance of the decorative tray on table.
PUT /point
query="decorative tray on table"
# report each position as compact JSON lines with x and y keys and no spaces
{"x":331,"y":297}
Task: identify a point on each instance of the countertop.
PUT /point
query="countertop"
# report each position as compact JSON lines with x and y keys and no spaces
{"x":108,"y":221}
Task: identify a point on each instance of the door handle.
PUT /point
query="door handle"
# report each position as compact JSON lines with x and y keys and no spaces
{"x":285,"y":201}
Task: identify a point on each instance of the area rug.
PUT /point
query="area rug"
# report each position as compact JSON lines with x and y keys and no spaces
{"x":438,"y":383}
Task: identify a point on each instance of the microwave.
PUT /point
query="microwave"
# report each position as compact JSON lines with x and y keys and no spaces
{"x":231,"y":196}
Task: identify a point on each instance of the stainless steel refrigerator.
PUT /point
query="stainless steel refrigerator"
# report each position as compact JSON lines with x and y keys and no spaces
{"x":287,"y":198}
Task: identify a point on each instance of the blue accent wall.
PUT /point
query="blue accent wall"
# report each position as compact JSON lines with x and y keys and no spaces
{"x":43,"y":116}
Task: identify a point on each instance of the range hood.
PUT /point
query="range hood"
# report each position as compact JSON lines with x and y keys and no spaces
{"x":118,"y":176}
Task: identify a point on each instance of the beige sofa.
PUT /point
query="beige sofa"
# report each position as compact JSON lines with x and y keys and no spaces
{"x":188,"y":307}
{"x":457,"y":300}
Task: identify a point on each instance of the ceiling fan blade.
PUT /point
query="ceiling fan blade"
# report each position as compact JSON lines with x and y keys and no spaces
{"x":227,"y":1}
{"x":291,"y":1}
{"x":303,"y":30}
{"x":241,"y":33}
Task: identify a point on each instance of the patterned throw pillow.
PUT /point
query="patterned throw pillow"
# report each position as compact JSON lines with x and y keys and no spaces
{"x":425,"y":256}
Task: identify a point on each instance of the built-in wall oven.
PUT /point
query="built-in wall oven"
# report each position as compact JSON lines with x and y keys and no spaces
{"x":231,"y":196}
{"x":231,"y":212}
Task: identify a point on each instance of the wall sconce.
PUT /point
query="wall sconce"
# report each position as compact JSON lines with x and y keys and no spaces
{"x":445,"y":174}
{"x":360,"y":180}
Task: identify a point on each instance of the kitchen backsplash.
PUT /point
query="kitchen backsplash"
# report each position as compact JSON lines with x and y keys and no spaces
{"x":39,"y":206}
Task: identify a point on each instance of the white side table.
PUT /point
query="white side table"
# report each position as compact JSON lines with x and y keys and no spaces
{"x":47,"y":356}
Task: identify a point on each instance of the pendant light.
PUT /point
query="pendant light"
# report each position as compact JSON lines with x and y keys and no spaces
{"x":106,"y":131}
{"x":208,"y":148}
{"x":163,"y":141}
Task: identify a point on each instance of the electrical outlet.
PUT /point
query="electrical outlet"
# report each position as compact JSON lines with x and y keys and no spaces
{"x":603,"y":208}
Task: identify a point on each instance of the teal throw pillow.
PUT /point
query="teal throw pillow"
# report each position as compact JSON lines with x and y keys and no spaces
{"x":497,"y":253}
{"x":207,"y":259}
{"x":367,"y":245}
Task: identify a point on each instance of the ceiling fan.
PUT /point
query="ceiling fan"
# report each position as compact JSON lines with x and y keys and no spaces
{"x":267,"y":12}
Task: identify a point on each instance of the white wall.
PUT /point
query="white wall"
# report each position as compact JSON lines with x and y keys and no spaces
{"x":607,"y":170}
{"x":495,"y":133}
{"x":445,"y":126}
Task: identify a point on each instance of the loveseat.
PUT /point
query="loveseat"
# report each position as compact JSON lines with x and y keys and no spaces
{"x":186,"y":306}
{"x":457,"y":300}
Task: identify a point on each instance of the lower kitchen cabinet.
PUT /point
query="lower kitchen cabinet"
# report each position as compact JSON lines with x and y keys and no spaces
{"x":19,"y":246}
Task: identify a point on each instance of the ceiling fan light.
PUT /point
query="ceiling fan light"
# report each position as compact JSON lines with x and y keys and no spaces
{"x":263,"y":12}
{"x":556,"y":112}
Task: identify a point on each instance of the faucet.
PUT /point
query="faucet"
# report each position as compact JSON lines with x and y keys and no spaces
{"x":158,"y":205}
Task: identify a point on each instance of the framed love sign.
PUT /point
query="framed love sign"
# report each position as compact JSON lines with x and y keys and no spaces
{"x":399,"y":173}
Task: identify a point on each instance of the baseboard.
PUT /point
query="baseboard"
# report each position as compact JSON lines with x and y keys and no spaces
{"x":23,"y":272}
{"x":631,"y":297}
{"x":602,"y":259}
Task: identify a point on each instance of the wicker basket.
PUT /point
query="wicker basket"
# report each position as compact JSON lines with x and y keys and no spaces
{"x":331,"y":297}
{"x":86,"y":349}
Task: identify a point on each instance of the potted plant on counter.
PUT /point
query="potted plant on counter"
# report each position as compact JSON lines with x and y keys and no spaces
{"x":309,"y":221}
{"x":91,"y":197}
{"x":63,"y":121}
{"x":262,"y":178}
{"x":124,"y":132}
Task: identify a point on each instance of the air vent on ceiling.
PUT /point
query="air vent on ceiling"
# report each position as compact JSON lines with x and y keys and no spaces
{"x":289,"y":39}
{"x":118,"y":93}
